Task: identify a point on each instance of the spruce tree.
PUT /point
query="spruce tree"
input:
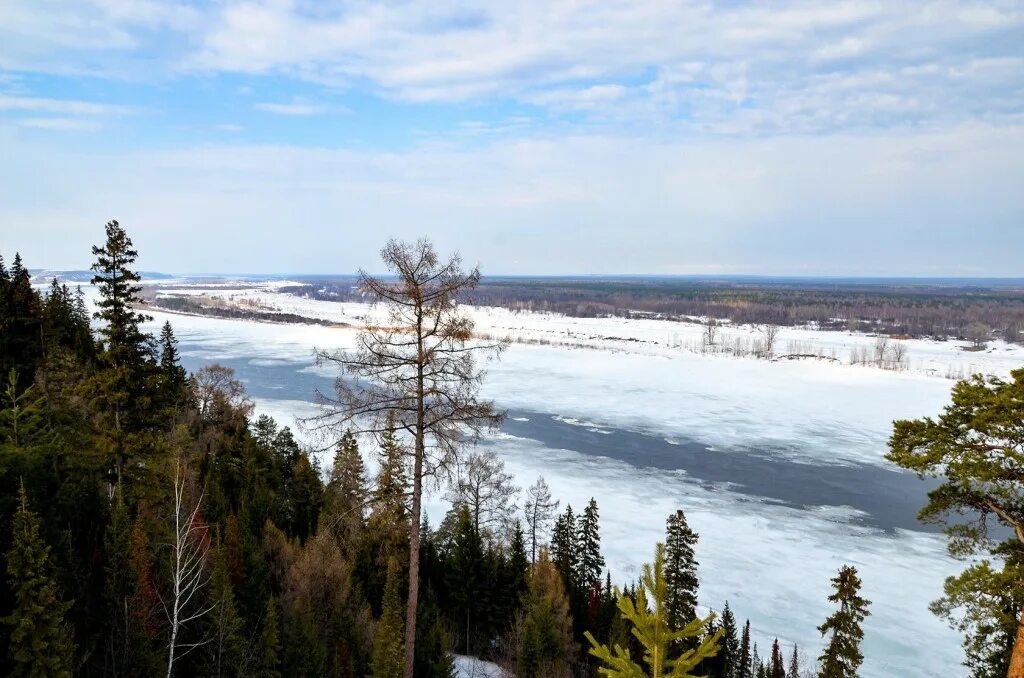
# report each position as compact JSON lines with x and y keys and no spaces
{"x":124,"y":386}
{"x":794,"y":664}
{"x":681,"y":570}
{"x":388,"y":648}
{"x":171,"y":371}
{"x":565,"y":551}
{"x":40,"y":643}
{"x":518,"y":563}
{"x":777,"y":667}
{"x":590,"y":562}
{"x":743,"y":669}
{"x":730,"y":652}
{"x":269,"y":650}
{"x":842,"y":656}
{"x":346,"y":493}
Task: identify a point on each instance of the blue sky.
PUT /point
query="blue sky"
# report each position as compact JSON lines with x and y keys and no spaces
{"x":846,"y":138}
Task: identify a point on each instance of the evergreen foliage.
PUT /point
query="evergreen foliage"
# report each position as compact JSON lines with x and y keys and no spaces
{"x":651,"y":628}
{"x":842,"y":656}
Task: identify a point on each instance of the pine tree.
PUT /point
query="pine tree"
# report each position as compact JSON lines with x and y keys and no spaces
{"x":388,"y":648}
{"x":40,"y":643}
{"x":681,"y":570}
{"x":730,"y":652}
{"x":794,"y":664}
{"x":518,"y":564}
{"x":590,"y":562}
{"x":652,"y":630}
{"x":842,"y":656}
{"x":743,"y":669}
{"x":269,"y":663}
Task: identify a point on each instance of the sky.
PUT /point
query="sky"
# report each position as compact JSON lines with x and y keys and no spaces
{"x":537,"y":136}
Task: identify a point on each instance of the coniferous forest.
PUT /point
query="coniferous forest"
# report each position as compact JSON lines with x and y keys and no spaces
{"x":155,"y":525}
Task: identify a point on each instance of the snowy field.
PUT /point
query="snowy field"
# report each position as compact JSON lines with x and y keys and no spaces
{"x":771,"y":561}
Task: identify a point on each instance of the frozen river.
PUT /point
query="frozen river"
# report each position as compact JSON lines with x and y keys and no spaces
{"x":779,"y":467}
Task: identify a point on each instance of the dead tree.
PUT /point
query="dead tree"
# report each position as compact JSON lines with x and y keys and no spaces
{"x":710,"y":333}
{"x":881,"y":350}
{"x":189,"y":572}
{"x":419,"y":368}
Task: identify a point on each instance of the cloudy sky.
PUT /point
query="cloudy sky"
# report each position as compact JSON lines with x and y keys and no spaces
{"x":536,"y":136}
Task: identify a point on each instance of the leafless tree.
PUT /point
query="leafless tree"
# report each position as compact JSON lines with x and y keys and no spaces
{"x":216,"y":384}
{"x":189,"y":572}
{"x":420,"y":368}
{"x":770,"y":333}
{"x":710,"y":333}
{"x":898,"y":355}
{"x":978,"y":334}
{"x":540,"y":510}
{"x":486,"y":489}
{"x":881,"y":350}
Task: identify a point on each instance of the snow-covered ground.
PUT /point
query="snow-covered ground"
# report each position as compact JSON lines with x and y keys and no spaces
{"x":642,"y":336}
{"x":771,"y":561}
{"x":471,"y":667}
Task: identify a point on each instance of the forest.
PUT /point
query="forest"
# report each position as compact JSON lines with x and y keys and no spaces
{"x":939,"y":309}
{"x":155,"y":524}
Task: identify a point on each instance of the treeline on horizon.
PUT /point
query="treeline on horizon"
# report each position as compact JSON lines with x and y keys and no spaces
{"x":914,"y":310}
{"x":156,"y":526}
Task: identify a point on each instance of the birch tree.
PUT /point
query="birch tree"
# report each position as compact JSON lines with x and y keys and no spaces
{"x":190,"y":547}
{"x":540,"y":510}
{"x":419,"y":368}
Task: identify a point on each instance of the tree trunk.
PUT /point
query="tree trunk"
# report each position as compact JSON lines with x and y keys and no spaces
{"x":1017,"y":658}
{"x":414,"y":562}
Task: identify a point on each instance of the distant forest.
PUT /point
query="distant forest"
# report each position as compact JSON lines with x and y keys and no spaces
{"x":940,"y":309}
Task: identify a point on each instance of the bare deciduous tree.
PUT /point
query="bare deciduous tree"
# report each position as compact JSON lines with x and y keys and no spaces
{"x":881,"y":350}
{"x":418,"y":367}
{"x":770,"y":333}
{"x":978,"y":334}
{"x":215,"y":384}
{"x":540,"y":510}
{"x":189,"y":572}
{"x":486,"y":489}
{"x":710,"y":333}
{"x":898,"y":354}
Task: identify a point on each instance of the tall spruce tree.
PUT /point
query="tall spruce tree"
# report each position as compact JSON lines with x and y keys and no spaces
{"x":40,"y":643}
{"x":124,"y":386}
{"x":590,"y":563}
{"x":794,"y":664}
{"x":777,"y":666}
{"x":172,"y":373}
{"x":730,"y":650}
{"x":743,"y":669}
{"x":681,"y":570}
{"x":565,"y":549}
{"x":842,"y":656}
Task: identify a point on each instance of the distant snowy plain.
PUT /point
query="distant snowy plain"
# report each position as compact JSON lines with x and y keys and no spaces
{"x":771,"y":561}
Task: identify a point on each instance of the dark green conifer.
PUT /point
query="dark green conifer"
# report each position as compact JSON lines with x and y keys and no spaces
{"x":388,"y":646}
{"x":590,"y":562}
{"x":269,"y":650}
{"x":681,"y":570}
{"x":40,"y":642}
{"x":842,"y":656}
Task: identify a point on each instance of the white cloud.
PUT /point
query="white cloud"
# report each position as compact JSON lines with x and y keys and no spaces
{"x":61,"y":106}
{"x":294,"y":108}
{"x":60,"y":124}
